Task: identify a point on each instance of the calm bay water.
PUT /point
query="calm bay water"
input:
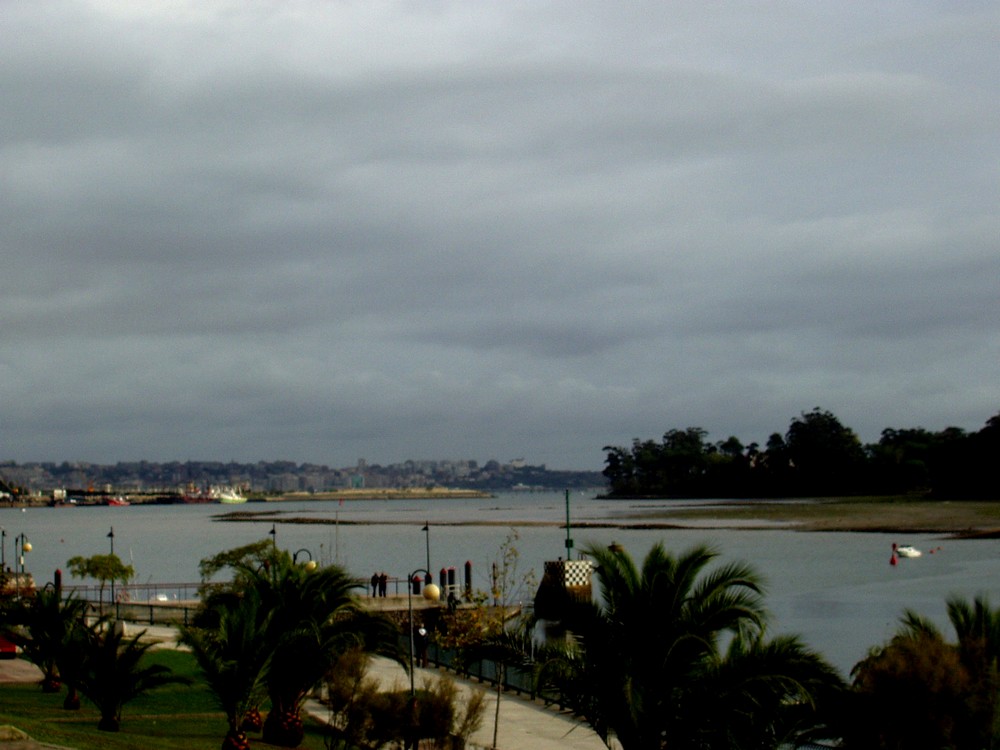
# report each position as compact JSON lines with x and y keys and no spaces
{"x":837,"y":590}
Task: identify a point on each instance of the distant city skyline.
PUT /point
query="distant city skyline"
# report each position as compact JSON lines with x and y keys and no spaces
{"x":283,"y":476}
{"x":332,"y":230}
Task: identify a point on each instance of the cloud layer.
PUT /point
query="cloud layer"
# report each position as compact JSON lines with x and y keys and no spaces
{"x":324,"y":231}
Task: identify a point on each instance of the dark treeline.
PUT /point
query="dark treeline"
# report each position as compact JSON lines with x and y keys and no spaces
{"x":818,"y":456}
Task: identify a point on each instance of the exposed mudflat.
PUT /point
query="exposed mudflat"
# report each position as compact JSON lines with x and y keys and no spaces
{"x":971,"y":519}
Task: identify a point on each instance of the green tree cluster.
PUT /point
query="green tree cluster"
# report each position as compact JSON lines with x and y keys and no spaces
{"x":102,"y":568}
{"x":272,"y":633}
{"x":95,"y":658}
{"x":46,"y":627}
{"x":675,"y":655}
{"x":817,"y":456}
{"x":920,"y":690}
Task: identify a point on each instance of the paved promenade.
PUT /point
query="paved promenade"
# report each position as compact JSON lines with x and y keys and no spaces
{"x":524,"y":724}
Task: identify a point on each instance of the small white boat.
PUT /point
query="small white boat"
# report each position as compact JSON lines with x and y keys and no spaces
{"x":214,"y":494}
{"x":906,"y":550}
{"x":229,"y":495}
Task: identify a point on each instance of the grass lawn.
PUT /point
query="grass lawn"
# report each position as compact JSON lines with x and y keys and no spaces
{"x":175,"y":717}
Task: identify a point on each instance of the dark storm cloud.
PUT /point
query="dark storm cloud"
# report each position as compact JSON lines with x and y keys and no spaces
{"x":324,"y":231}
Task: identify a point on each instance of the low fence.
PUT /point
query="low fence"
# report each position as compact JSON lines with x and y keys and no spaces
{"x":156,"y":614}
{"x":135,"y":592}
{"x":522,"y":682}
{"x":517,"y":680}
{"x":145,"y":604}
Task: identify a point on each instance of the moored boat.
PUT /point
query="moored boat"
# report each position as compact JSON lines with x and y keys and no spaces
{"x":226,"y":495}
{"x":197,"y":496}
{"x":230,"y":496}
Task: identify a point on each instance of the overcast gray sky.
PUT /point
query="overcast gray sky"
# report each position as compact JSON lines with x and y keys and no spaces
{"x":320,"y":231}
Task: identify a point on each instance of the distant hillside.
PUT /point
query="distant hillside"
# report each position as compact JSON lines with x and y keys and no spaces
{"x":286,"y":476}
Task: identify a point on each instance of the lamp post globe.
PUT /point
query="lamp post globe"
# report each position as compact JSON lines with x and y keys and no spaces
{"x":25,"y":547}
{"x":432,"y":593}
{"x":310,"y":565}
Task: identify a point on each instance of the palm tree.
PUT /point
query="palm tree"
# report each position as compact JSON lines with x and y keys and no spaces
{"x":46,"y":625}
{"x":313,"y":615}
{"x":318,"y":618}
{"x":233,"y":655}
{"x":649,"y":668}
{"x":72,"y":654}
{"x":919,"y":688}
{"x":111,"y":673}
{"x":767,"y":693}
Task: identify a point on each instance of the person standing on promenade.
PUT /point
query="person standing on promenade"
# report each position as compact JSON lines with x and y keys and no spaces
{"x":375,"y":582}
{"x":422,"y":647}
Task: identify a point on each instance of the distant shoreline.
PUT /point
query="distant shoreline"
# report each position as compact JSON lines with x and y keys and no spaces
{"x":162,"y":498}
{"x":377,"y":493}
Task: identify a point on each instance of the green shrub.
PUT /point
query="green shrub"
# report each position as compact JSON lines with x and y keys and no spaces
{"x":364,"y":717}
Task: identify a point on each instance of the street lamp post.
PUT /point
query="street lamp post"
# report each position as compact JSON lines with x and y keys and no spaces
{"x":569,"y":538}
{"x":25,"y":546}
{"x":310,"y":564}
{"x":274,"y":537}
{"x":3,"y":550}
{"x":111,"y":536}
{"x":427,"y":535}
{"x":431,"y":593}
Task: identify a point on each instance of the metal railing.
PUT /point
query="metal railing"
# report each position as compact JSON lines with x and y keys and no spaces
{"x":517,"y":680}
{"x":164,"y":593}
{"x":147,"y":604}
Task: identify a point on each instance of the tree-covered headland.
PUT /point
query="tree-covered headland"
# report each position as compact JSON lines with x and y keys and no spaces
{"x":818,"y":456}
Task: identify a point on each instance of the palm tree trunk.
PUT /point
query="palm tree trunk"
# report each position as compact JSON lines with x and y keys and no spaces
{"x":235,"y":740}
{"x":51,"y":683}
{"x":252,"y":722}
{"x":109,"y":723}
{"x":72,"y":701}
{"x":283,"y":727}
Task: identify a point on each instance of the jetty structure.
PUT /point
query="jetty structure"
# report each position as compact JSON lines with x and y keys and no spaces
{"x":564,"y":581}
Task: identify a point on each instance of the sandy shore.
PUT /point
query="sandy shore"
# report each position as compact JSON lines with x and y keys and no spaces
{"x":957,"y":518}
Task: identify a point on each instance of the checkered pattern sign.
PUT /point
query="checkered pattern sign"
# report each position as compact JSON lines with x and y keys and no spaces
{"x":570,"y":573}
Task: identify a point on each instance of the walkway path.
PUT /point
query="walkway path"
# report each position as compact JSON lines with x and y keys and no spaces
{"x":525,"y":724}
